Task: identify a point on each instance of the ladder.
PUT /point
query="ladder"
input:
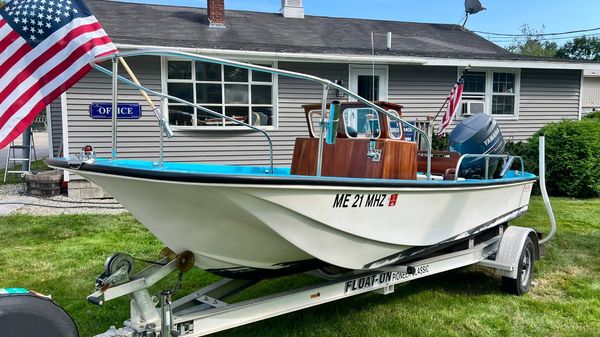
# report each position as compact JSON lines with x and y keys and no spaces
{"x":11,"y":157}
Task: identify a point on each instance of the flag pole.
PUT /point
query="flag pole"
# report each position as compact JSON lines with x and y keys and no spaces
{"x":163,"y":122}
{"x":464,"y":72}
{"x":441,"y":108}
{"x":136,"y":81}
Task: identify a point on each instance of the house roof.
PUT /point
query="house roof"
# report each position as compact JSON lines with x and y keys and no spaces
{"x":173,"y":26}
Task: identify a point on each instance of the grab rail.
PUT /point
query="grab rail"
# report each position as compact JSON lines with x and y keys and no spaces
{"x":326,"y":83}
{"x":506,"y":158}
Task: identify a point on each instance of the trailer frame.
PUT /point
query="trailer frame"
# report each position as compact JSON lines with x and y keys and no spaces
{"x":205,"y":311}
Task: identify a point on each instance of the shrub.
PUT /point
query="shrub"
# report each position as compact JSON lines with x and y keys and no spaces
{"x":572,"y":157}
{"x":593,"y":116}
{"x":439,"y":143}
{"x":524,"y":150}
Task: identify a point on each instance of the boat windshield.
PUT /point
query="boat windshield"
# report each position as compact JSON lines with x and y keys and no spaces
{"x":361,"y":123}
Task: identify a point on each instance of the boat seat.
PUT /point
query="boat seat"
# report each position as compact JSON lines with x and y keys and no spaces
{"x":441,"y":161}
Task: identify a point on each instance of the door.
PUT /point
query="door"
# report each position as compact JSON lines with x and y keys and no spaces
{"x":368,"y":82}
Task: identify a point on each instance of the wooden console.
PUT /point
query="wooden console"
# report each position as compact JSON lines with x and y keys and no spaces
{"x":348,"y":158}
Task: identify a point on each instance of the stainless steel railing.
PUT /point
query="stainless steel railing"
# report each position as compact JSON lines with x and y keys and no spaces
{"x":327,"y":85}
{"x":506,"y":158}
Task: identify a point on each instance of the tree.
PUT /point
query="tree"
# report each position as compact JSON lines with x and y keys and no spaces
{"x":533,"y":43}
{"x":581,"y":48}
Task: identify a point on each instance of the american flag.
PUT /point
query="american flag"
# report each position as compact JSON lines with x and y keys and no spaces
{"x":453,"y":103}
{"x":45,"y":48}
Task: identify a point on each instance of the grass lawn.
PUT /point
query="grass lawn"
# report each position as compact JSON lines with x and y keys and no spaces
{"x":14,"y":178}
{"x":62,"y":255}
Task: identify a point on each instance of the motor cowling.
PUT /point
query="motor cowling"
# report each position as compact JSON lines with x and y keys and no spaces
{"x":478,"y":134}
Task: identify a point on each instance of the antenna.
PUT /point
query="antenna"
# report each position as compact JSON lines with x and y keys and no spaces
{"x":373,"y":63}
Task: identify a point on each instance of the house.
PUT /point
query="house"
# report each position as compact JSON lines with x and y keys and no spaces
{"x":591,"y":91}
{"x":416,"y":69}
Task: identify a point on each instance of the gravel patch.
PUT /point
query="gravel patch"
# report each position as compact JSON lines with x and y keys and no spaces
{"x":53,"y":205}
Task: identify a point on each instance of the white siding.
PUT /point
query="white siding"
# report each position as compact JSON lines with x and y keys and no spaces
{"x":56,"y":118}
{"x":591,"y":94}
{"x":421,"y":90}
{"x":546,"y":96}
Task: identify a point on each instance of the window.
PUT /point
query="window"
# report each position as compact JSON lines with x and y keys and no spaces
{"x":494,"y":92}
{"x":503,"y":94}
{"x":242,"y":94}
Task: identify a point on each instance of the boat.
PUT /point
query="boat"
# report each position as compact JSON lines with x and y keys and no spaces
{"x":359,"y":195}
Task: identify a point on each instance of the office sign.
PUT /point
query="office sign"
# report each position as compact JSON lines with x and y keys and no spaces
{"x":125,"y":111}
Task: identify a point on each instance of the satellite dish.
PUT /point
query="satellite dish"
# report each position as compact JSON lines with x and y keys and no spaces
{"x":473,"y":7}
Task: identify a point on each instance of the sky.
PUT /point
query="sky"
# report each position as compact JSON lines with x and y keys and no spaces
{"x":501,"y":16}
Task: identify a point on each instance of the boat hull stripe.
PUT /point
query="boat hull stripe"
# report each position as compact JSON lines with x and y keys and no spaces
{"x":190,"y":177}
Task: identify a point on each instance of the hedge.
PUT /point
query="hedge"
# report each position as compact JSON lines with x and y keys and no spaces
{"x":592,"y":115}
{"x":572,"y":157}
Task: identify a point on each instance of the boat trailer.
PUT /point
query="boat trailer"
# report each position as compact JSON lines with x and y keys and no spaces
{"x":511,"y":252}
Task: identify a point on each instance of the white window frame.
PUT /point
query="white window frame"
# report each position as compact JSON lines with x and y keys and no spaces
{"x":363,"y":69}
{"x":274,"y":84}
{"x":489,"y":88}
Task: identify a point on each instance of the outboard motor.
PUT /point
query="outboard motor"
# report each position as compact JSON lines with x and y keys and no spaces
{"x":478,"y":134}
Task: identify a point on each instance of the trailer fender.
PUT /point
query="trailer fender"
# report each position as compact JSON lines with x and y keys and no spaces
{"x":511,"y":247}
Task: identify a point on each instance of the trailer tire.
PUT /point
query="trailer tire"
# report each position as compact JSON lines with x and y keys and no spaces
{"x":521,"y":284}
{"x":29,"y":315}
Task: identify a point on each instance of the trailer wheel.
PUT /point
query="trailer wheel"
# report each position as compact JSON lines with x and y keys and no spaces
{"x":520,"y":285}
{"x":29,"y":315}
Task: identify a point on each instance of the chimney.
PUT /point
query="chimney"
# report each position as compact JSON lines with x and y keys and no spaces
{"x":292,"y":8}
{"x":216,"y":13}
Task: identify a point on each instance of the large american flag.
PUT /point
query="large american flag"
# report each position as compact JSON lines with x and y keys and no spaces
{"x":453,"y":103}
{"x":45,"y":48}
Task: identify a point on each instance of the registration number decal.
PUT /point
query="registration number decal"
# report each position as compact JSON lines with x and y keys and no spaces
{"x":365,"y":200}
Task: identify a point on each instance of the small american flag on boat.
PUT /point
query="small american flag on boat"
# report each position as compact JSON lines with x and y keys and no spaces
{"x":453,"y":103}
{"x":45,"y":48}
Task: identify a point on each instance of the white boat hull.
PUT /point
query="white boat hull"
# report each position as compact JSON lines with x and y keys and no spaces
{"x":240,"y":227}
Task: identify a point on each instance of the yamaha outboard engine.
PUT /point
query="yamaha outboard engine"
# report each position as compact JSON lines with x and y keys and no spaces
{"x":478,"y":134}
